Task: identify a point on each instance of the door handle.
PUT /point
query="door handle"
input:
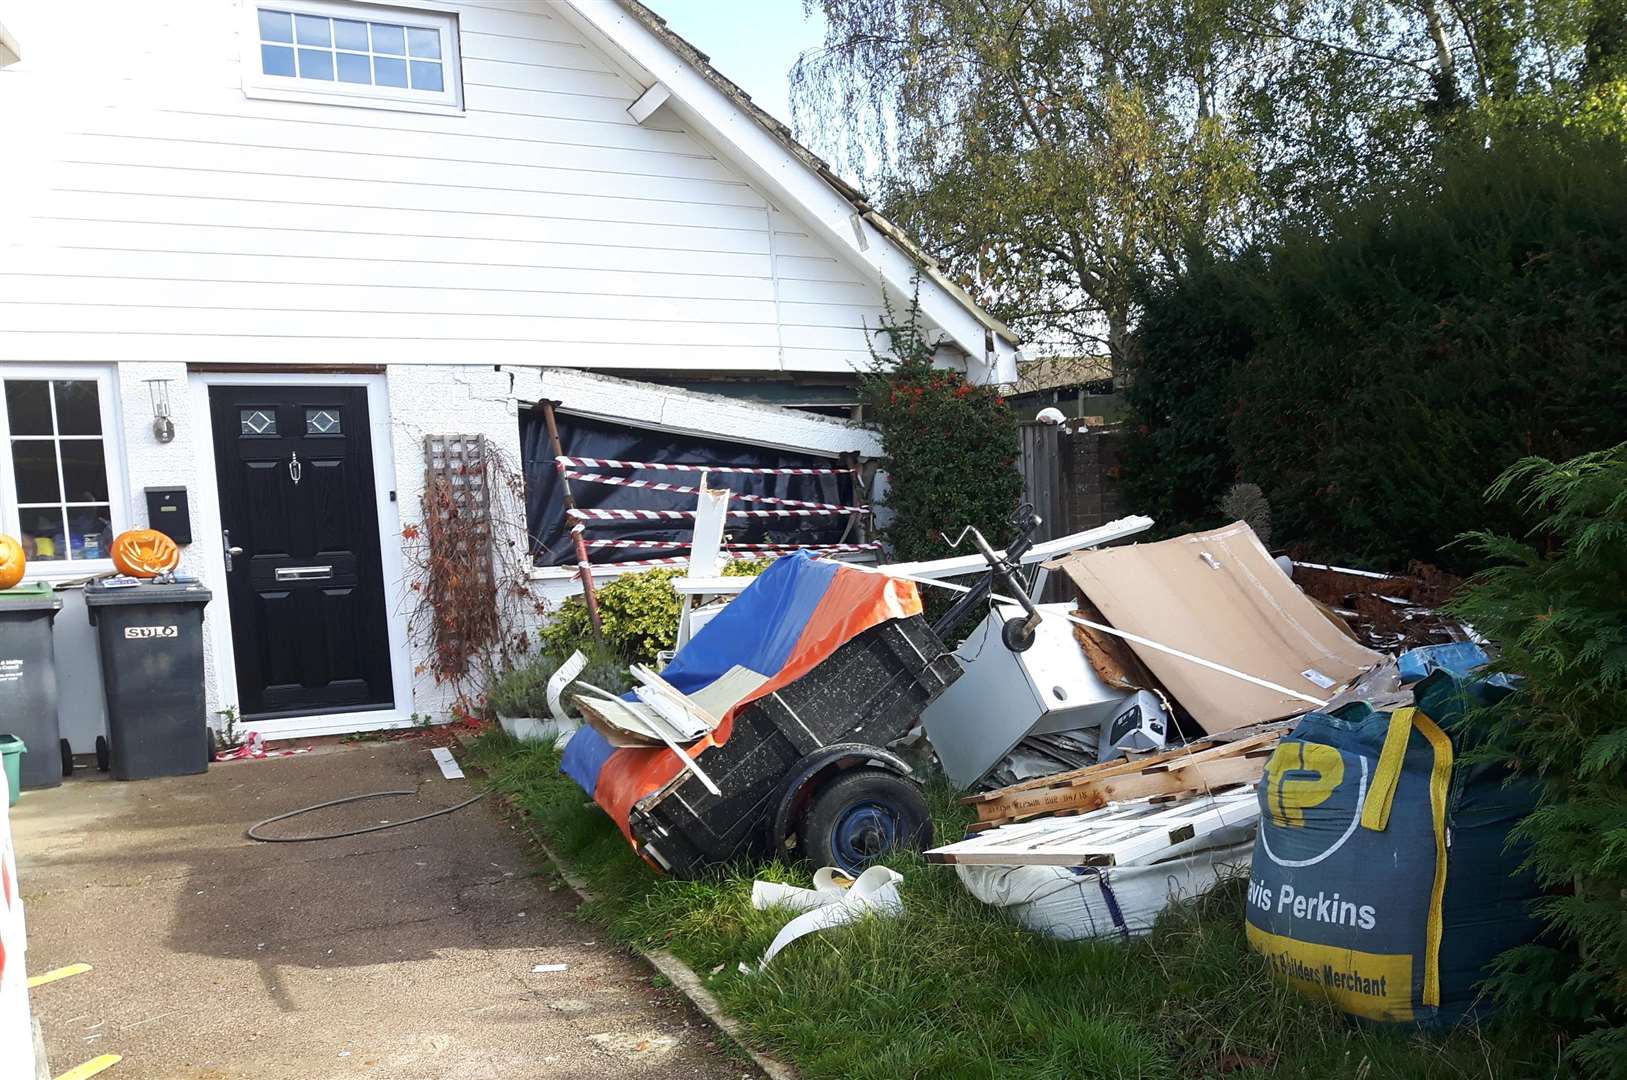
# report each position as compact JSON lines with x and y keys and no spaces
{"x":226,"y":542}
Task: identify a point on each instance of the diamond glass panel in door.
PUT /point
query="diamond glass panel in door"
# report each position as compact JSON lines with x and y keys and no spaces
{"x":258,"y":422}
{"x":59,"y":468}
{"x":322,"y":422}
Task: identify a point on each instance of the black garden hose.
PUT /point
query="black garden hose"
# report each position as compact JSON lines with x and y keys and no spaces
{"x":254,"y":834}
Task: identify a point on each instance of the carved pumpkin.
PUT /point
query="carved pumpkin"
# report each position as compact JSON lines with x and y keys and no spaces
{"x":13,"y":561}
{"x":145,"y":553}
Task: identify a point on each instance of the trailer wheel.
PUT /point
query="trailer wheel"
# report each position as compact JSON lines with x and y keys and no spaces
{"x":861,"y":815}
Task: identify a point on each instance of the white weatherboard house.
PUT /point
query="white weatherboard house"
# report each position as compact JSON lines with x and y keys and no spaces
{"x":328,"y":229}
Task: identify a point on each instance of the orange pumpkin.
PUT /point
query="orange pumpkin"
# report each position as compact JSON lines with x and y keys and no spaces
{"x":13,"y":561}
{"x":145,"y":553}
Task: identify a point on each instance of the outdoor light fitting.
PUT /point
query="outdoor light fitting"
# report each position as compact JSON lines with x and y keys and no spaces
{"x":163,"y":425}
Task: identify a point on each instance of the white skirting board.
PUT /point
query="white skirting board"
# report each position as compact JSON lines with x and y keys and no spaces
{"x":1106,"y":901}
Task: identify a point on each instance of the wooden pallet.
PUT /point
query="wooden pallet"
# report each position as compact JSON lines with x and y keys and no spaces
{"x":1127,"y":834}
{"x":1206,"y":766}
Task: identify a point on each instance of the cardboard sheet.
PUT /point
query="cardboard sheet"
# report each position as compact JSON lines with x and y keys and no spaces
{"x":1219,"y":595}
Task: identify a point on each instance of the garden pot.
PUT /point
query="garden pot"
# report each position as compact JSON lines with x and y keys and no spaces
{"x":530,"y":729}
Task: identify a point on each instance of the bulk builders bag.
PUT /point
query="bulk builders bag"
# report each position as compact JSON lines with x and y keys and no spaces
{"x":1382,"y":876}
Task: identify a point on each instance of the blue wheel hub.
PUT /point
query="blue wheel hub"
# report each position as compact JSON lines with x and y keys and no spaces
{"x":864,"y":831}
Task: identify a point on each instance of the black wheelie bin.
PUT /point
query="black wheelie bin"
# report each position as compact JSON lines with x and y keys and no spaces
{"x":28,"y":685}
{"x":151,"y":639}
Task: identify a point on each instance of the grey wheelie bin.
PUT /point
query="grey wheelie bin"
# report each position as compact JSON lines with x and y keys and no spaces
{"x":28,"y":696}
{"x":151,"y":639}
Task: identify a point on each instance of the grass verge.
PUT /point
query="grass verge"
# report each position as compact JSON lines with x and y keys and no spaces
{"x":955,"y":989}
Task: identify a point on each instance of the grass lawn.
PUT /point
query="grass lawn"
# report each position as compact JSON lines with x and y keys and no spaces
{"x":954,"y":989}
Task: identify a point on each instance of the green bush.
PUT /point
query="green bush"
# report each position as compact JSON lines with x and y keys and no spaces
{"x":522,"y":690}
{"x":1373,"y":378}
{"x":950,"y":446}
{"x":1557,"y":607}
{"x":638,"y":611}
{"x":1194,"y":331}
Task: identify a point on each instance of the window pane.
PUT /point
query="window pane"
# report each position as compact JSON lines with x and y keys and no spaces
{"x":42,"y":532}
{"x":350,"y":35}
{"x":276,"y":26}
{"x":388,"y":72}
{"x":90,"y":531}
{"x":425,"y":43}
{"x":28,"y":406}
{"x":354,"y":67}
{"x":276,"y":60}
{"x":258,"y":421}
{"x":426,"y":75}
{"x":33,"y":461}
{"x":389,"y":39}
{"x":322,"y":422}
{"x":313,"y":30}
{"x":84,"y":472}
{"x":315,"y":65}
{"x":77,"y":409}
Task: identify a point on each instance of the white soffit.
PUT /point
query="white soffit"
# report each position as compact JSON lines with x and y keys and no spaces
{"x":10,"y":51}
{"x":642,"y":404}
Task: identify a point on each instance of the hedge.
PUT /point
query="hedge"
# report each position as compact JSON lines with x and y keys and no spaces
{"x":1376,"y":376}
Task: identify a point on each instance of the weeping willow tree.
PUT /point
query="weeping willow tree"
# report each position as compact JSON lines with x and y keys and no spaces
{"x":1056,"y":154}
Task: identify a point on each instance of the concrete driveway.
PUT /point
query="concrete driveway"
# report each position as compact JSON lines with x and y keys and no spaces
{"x":403,"y":954}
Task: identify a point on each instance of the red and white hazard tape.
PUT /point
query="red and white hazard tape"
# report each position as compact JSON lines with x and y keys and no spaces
{"x":253,"y":748}
{"x":684,"y":489}
{"x":683,"y":545}
{"x":566,"y":462}
{"x":688,"y":515}
{"x":647,"y":545}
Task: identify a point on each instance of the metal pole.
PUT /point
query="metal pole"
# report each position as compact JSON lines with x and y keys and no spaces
{"x":584,"y":570}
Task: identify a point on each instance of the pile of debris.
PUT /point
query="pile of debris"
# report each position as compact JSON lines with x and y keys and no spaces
{"x":1201,"y":709}
{"x":1388,"y":612}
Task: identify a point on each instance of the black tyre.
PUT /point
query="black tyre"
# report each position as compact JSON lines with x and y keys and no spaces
{"x":67,"y":757}
{"x":861,"y":815}
{"x":104,"y":760}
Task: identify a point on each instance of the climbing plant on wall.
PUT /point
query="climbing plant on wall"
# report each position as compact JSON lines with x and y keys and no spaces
{"x":950,"y":445}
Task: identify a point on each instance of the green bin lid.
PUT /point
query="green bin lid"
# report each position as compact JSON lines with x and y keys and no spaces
{"x":35,"y":596}
{"x":11,"y":744}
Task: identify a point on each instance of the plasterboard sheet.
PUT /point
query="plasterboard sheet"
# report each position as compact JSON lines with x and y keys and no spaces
{"x":1220,"y":596}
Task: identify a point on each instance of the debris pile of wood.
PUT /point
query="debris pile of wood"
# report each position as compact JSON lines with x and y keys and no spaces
{"x":1207,"y":766}
{"x":1386,"y":612}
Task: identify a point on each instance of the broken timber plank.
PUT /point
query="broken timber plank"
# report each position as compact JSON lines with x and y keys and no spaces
{"x":1193,"y":769}
{"x":1195,"y":779}
{"x":1229,"y":742}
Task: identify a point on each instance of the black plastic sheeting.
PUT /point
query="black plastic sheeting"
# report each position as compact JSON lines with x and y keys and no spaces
{"x":582,"y":437}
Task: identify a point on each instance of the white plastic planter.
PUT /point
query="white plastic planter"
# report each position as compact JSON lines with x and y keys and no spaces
{"x":530,"y":729}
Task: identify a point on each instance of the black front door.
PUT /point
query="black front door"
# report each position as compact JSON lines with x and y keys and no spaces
{"x":295,"y":468}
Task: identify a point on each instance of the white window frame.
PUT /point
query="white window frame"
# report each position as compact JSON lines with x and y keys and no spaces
{"x":448,"y":102}
{"x":107,"y":398}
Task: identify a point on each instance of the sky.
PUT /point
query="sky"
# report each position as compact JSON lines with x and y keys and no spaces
{"x":754,"y":43}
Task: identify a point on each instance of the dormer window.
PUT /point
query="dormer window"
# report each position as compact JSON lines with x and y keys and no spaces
{"x":358,"y":54}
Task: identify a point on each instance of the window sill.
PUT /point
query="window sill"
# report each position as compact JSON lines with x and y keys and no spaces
{"x":360,"y":101}
{"x":56,"y":573}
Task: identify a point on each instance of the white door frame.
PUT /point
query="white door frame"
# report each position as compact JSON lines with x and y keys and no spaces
{"x":218,"y":628}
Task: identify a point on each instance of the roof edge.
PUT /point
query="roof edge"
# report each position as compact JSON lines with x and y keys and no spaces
{"x":887,"y":231}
